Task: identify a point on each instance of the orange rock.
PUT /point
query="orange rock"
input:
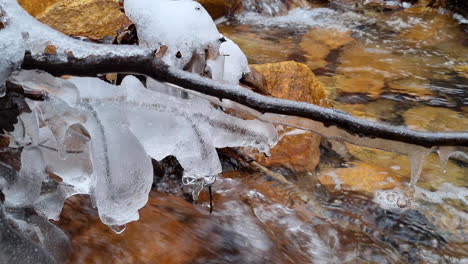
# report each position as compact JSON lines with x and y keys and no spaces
{"x":165,"y":233}
{"x":318,"y":43}
{"x":297,"y":150}
{"x":36,"y":7}
{"x":4,"y":142}
{"x":435,"y":119}
{"x":370,"y":84}
{"x":361,"y":177}
{"x":219,"y":8}
{"x":94,"y":19}
{"x":261,"y":46}
{"x":292,"y":80}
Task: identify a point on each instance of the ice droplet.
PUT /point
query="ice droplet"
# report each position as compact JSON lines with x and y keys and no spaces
{"x":118,"y":229}
{"x":444,"y":156}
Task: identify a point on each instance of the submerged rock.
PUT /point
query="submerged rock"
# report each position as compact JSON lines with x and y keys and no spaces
{"x":360,"y":177}
{"x":297,"y":150}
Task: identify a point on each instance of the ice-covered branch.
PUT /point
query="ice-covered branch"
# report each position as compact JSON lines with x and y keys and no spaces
{"x":158,"y":70}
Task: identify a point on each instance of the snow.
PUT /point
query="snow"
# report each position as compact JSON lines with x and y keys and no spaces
{"x":183,"y":26}
{"x":231,"y":65}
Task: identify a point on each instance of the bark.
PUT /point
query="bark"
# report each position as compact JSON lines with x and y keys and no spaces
{"x":152,"y":67}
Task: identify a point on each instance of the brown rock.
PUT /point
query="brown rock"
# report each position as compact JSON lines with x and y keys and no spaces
{"x":94,"y":19}
{"x":36,"y":7}
{"x":261,"y":46}
{"x":435,"y":119}
{"x":297,"y":150}
{"x":292,"y":80}
{"x":318,"y":43}
{"x":219,"y":8}
{"x":361,"y":177}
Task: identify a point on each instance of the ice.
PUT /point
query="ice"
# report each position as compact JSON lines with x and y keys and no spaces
{"x":444,"y":156}
{"x":11,"y":54}
{"x":183,"y":26}
{"x":122,"y":170}
{"x":41,"y":81}
{"x":235,"y":62}
{"x":417,"y":159}
{"x":231,"y":65}
{"x":193,"y":127}
{"x":27,"y":187}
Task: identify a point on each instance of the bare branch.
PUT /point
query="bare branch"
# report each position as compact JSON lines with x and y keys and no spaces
{"x":150,"y":66}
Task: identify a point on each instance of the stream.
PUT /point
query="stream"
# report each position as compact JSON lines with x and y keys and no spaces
{"x":401,"y":66}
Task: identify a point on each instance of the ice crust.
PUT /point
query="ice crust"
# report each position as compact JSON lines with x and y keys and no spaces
{"x":99,"y":138}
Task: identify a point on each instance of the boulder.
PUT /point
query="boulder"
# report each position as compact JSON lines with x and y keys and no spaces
{"x":297,"y":150}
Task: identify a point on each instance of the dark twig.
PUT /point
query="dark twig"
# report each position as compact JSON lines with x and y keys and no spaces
{"x":211,"y":199}
{"x":158,"y":70}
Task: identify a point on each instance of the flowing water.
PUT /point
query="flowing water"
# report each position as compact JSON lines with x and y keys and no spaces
{"x":403,"y":67}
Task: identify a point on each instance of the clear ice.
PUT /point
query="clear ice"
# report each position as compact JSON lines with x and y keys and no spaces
{"x":99,"y":138}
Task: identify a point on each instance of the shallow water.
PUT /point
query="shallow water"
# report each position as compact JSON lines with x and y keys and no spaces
{"x":403,"y":67}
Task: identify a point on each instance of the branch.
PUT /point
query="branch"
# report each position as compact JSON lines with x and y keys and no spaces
{"x":150,"y":66}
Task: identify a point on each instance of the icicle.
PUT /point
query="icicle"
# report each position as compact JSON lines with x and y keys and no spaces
{"x":118,"y":229}
{"x":444,"y":156}
{"x":417,"y":159}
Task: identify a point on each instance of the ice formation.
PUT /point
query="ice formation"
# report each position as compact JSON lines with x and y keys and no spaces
{"x":183,"y":26}
{"x":99,"y":139}
{"x":231,"y":65}
{"x":11,"y":53}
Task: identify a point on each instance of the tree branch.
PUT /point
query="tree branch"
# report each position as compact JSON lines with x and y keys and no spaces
{"x":150,"y":66}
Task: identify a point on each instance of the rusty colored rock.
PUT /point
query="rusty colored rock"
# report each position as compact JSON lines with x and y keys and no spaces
{"x":435,"y":119}
{"x":50,"y":49}
{"x":36,"y":7}
{"x":4,"y":142}
{"x":292,"y":80}
{"x":94,"y":19}
{"x":219,"y":8}
{"x":297,"y":150}
{"x":361,"y":177}
{"x":318,"y":43}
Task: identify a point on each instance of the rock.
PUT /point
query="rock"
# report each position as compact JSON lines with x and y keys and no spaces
{"x":4,"y":142}
{"x":297,"y":150}
{"x":362,"y":177}
{"x":36,"y":7}
{"x":435,"y":119}
{"x":462,"y":70}
{"x":219,"y":8}
{"x":318,"y":43}
{"x":412,"y":86}
{"x":432,"y":175}
{"x":261,"y":46}
{"x":93,"y":19}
